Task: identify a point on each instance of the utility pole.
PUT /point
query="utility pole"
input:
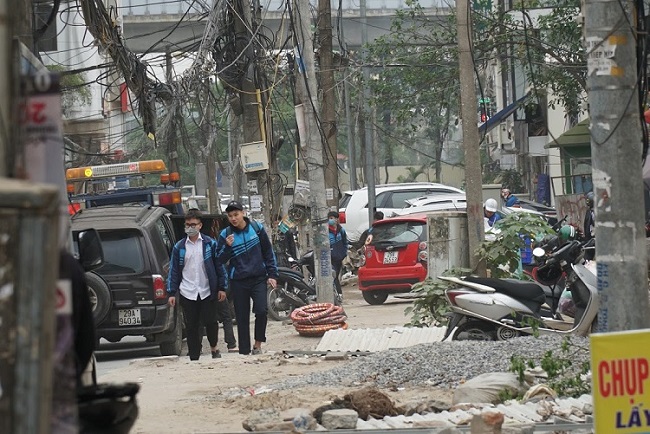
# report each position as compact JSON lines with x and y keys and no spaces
{"x":328,"y":109}
{"x":616,"y":150}
{"x":249,"y":96}
{"x":370,"y":155}
{"x":5,"y":83}
{"x":473,"y":178}
{"x":307,"y":81}
{"x":172,"y":145}
{"x":352,"y":158}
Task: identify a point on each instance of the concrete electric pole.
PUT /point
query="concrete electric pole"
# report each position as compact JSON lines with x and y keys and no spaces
{"x":473,"y":178}
{"x":369,"y":154}
{"x":306,"y":80}
{"x":616,"y":150}
{"x":328,"y":109}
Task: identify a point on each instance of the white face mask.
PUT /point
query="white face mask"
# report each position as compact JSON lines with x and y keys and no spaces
{"x":192,"y":231}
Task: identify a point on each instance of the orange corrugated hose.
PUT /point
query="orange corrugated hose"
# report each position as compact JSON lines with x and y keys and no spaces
{"x":316,"y":319}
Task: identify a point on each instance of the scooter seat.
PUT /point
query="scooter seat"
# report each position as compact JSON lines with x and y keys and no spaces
{"x":515,"y":289}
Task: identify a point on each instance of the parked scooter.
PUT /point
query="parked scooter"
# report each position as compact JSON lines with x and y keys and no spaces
{"x":294,"y":289}
{"x":499,"y":309}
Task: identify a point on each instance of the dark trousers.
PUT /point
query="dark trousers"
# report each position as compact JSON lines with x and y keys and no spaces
{"x":336,"y":269}
{"x":243,"y":291}
{"x":199,"y":313}
{"x":224,"y":316}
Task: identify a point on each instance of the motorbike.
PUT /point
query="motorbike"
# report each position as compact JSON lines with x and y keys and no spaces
{"x":294,"y":289}
{"x":499,"y":309}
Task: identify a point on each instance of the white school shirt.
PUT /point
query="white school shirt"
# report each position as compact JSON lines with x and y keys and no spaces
{"x":194,"y":281}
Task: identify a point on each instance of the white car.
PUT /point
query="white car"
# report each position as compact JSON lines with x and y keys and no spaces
{"x":436,"y":202}
{"x":389,"y":198}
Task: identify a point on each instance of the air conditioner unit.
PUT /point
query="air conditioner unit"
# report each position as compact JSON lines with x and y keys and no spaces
{"x":254,"y":157}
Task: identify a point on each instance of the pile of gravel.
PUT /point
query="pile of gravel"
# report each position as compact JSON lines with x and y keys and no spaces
{"x":441,"y":364}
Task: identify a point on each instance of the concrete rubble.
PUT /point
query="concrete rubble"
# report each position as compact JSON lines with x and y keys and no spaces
{"x":511,"y":417}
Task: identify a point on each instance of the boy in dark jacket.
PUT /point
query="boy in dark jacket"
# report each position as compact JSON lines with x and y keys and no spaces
{"x":198,"y":279}
{"x":246,"y":248}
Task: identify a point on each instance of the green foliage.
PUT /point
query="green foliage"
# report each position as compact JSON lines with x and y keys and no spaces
{"x":563,"y":377}
{"x":510,"y":178}
{"x":74,"y":91}
{"x":502,"y":255}
{"x":430,"y":307}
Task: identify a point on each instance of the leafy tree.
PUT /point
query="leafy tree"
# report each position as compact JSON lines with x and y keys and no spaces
{"x":75,"y":91}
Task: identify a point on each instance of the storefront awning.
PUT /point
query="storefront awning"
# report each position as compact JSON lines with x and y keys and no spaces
{"x":500,"y":116}
{"x":576,"y":136}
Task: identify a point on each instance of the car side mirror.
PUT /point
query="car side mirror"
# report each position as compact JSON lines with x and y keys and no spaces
{"x":91,"y":254}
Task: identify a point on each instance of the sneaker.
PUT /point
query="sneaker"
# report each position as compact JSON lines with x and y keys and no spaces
{"x":216,"y":354}
{"x":233,"y":349}
{"x":256,"y":351}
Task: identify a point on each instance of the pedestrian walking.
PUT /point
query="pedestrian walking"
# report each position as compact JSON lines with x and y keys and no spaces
{"x":338,"y":246}
{"x":224,"y":316}
{"x":247,"y":250}
{"x":198,"y":280}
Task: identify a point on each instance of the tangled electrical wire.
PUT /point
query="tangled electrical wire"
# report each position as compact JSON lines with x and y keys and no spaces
{"x":146,"y":89}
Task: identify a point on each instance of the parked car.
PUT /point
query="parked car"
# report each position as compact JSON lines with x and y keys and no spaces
{"x":549,"y":212}
{"x":128,"y":291}
{"x":395,"y":259}
{"x":389,"y":198}
{"x":436,"y":202}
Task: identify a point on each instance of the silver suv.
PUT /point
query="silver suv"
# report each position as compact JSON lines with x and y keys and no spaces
{"x":389,"y":198}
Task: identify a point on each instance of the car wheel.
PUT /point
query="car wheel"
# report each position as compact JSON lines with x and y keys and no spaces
{"x":474,"y":331}
{"x":375,"y":297}
{"x":100,"y":296}
{"x":172,"y":346}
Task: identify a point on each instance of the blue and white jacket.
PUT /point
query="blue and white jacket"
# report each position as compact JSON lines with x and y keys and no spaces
{"x":251,"y":254}
{"x":214,"y":269}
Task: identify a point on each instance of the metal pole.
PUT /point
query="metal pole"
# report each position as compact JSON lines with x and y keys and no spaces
{"x":352,"y":158}
{"x":616,"y":164}
{"x":5,"y":83}
{"x":370,"y":157}
{"x":473,"y":179}
{"x":314,"y":145}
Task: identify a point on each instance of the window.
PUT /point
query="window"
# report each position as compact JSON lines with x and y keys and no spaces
{"x":122,"y":252}
{"x":402,"y":232}
{"x":398,"y":198}
{"x":581,"y":182}
{"x":167,"y":240}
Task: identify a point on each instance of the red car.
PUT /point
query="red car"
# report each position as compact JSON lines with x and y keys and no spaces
{"x":395,"y":258}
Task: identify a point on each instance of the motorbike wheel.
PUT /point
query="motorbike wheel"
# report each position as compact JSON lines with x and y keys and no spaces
{"x":374,"y":297}
{"x":279,"y":308}
{"x":474,"y":331}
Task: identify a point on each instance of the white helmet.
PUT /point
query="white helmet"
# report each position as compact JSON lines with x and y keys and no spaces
{"x":491,"y":205}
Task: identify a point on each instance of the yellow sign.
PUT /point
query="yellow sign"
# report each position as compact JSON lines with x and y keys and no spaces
{"x":620,"y":369}
{"x":88,"y":172}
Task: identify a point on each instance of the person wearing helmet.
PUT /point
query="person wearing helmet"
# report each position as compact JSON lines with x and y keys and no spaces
{"x":490,"y":212}
{"x":509,"y":199}
{"x":589,"y":228}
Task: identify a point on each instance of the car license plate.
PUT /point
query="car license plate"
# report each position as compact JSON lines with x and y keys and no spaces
{"x":390,"y":257}
{"x":129,"y":317}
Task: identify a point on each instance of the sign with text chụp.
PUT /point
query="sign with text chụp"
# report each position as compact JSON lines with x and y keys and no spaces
{"x":620,"y":369}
